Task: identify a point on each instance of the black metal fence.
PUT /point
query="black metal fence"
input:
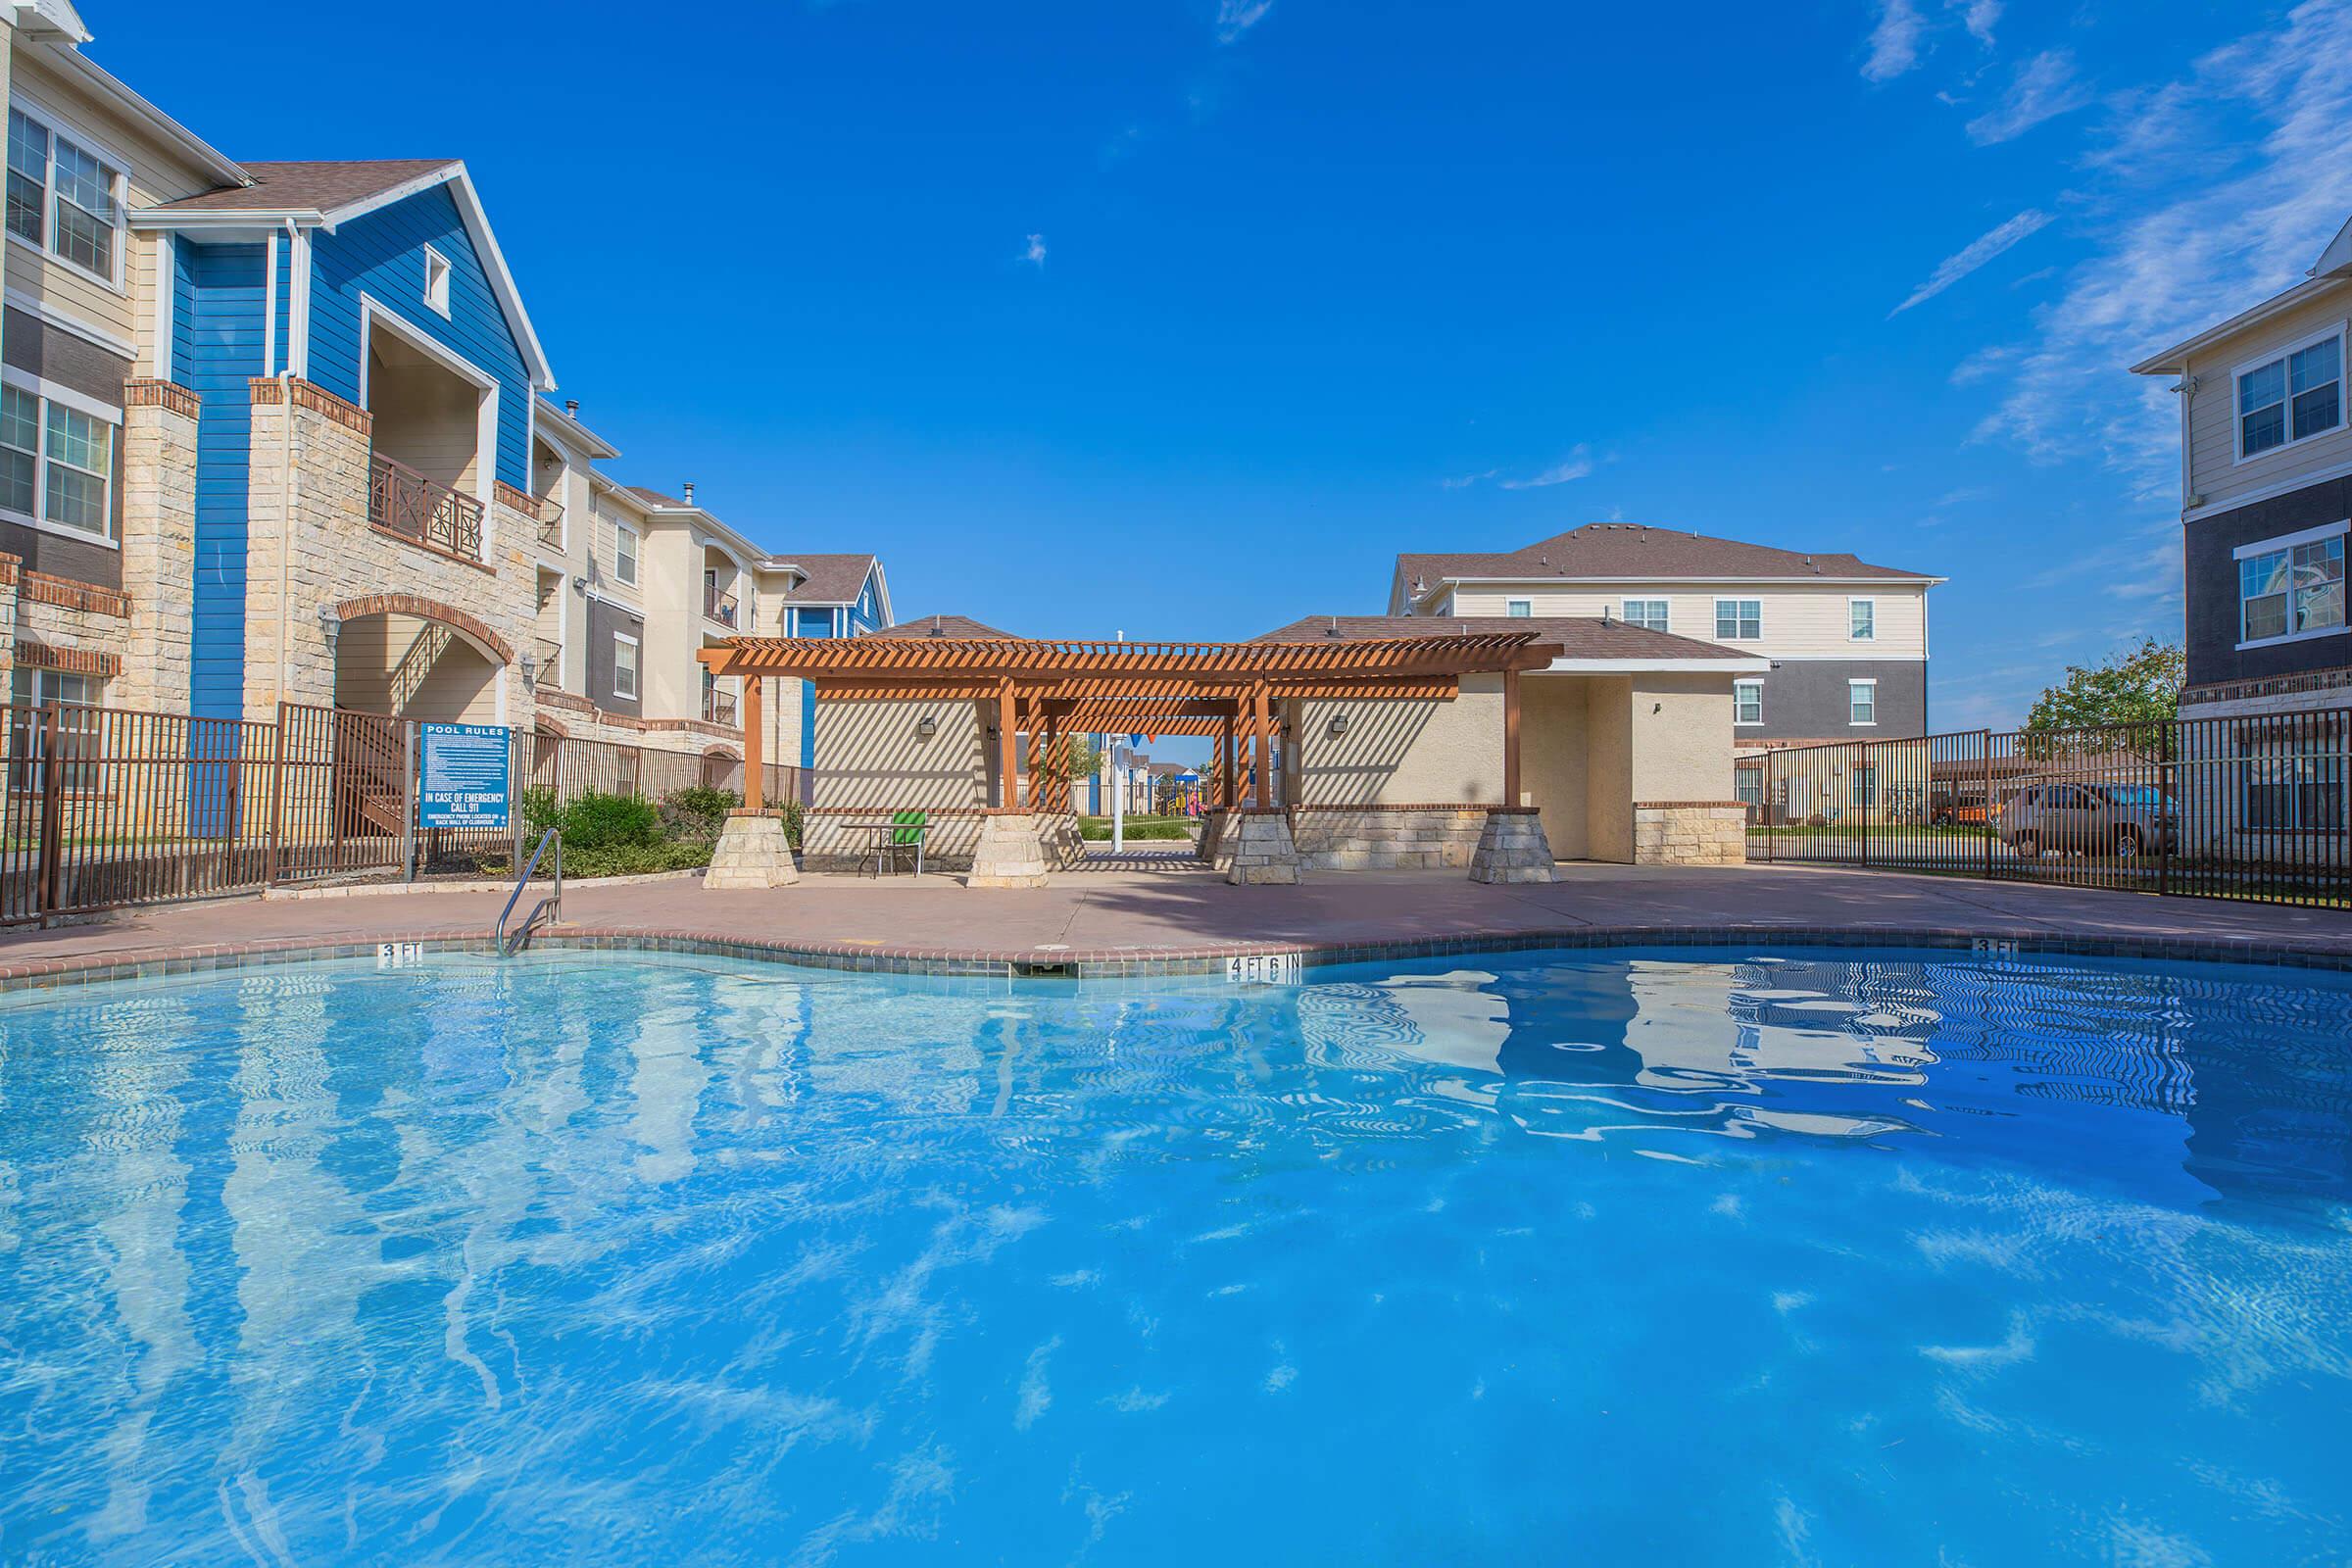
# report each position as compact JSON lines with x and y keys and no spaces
{"x":2253,"y":806}
{"x":104,"y":808}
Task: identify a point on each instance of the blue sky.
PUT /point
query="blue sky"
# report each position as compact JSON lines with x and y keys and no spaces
{"x":1182,"y":316}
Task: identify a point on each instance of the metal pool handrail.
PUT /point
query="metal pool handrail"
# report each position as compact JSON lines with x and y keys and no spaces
{"x":552,"y":905}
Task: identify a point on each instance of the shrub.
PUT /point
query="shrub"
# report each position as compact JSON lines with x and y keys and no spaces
{"x":697,"y":812}
{"x":604,"y":821}
{"x":1097,"y":830}
{"x":636,"y":859}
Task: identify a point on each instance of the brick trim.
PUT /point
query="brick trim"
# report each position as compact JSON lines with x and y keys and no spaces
{"x":571,"y":702}
{"x":927,"y":810}
{"x":1415,"y":805}
{"x":71,"y":660}
{"x":506,"y":495}
{"x":67,"y":593}
{"x":541,"y":724}
{"x":428,"y":609}
{"x":264,"y":391}
{"x":10,"y":567}
{"x":1690,"y":806}
{"x":149,"y":392}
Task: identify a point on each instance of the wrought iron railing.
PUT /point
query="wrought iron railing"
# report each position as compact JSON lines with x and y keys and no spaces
{"x":551,"y":522}
{"x":551,"y":664}
{"x":406,"y":504}
{"x":720,"y":606}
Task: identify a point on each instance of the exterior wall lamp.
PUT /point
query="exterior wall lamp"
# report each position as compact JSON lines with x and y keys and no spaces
{"x":530,"y":671}
{"x":925,"y":727}
{"x":1339,"y":725}
{"x":330,"y":624}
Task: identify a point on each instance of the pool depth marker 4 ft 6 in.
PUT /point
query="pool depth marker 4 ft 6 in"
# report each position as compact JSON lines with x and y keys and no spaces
{"x":1054,"y":689}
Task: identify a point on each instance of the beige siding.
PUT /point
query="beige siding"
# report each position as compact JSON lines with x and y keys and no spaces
{"x":1800,"y":620}
{"x":2214,"y":470}
{"x":605,"y":555}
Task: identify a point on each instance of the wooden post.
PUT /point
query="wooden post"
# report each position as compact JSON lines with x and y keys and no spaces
{"x":1008,"y":784}
{"x":1055,"y":760}
{"x":1228,"y":776}
{"x":755,"y":768}
{"x":1264,"y":722}
{"x":1510,"y":737}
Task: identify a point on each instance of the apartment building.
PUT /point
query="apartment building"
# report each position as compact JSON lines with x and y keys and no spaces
{"x":280,"y":433}
{"x":1847,"y":641}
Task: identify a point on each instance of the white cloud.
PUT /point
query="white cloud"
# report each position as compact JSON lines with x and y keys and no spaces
{"x":1575,"y":465}
{"x":1035,"y":254}
{"x":1468,"y":479}
{"x":1979,"y":17}
{"x":1974,"y":254}
{"x":1237,"y":17}
{"x":2043,"y":88}
{"x":1894,"y":41}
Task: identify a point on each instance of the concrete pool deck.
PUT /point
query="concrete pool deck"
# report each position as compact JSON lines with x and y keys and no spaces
{"x":1144,"y":915}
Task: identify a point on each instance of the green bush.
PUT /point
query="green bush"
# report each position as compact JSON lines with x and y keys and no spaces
{"x":636,"y":859}
{"x":1098,"y":830}
{"x":699,"y":811}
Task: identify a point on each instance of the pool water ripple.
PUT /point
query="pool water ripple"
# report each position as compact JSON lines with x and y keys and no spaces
{"x":1676,"y":1257}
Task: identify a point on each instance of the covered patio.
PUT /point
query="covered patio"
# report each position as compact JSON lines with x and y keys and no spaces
{"x":972,"y":733}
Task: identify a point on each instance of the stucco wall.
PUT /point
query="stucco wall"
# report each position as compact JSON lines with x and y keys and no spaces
{"x":1403,"y":752}
{"x":868,"y":756}
{"x":1682,"y":733}
{"x":1610,"y":770}
{"x":1554,"y":737}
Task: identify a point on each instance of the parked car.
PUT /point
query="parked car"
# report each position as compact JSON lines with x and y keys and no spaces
{"x":2118,"y":819}
{"x":1961,"y":814}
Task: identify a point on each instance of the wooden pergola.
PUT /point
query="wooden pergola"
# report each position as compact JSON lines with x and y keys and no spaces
{"x":1050,"y":689}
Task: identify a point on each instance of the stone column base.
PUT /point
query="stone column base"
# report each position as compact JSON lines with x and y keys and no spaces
{"x":1058,"y":832}
{"x":1512,"y":848}
{"x":1213,"y":833}
{"x":1010,"y":855}
{"x":751,"y":853}
{"x":1257,"y":851}
{"x":1689,"y":833}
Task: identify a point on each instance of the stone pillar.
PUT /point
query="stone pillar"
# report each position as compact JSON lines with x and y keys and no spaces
{"x":306,"y":523}
{"x":1512,"y":848}
{"x":1257,"y":850}
{"x":1011,"y":854}
{"x":751,"y":853}
{"x":159,"y":545}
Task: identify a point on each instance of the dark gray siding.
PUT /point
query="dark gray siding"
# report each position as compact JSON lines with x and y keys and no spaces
{"x":1806,"y":699}
{"x":604,"y":620}
{"x":34,"y":346}
{"x":2212,"y":586}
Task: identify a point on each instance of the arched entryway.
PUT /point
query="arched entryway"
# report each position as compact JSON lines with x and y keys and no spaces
{"x":411,"y":658}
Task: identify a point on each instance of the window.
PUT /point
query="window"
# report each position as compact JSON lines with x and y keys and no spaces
{"x":2299,"y":787}
{"x":62,"y":197}
{"x":77,"y":730}
{"x":1866,"y":785}
{"x":2294,"y":397}
{"x":1862,"y":619}
{"x":624,"y":665}
{"x":1862,"y":702}
{"x":624,"y":553}
{"x":2290,"y":587}
{"x":1748,"y":702}
{"x":1648,"y":612}
{"x":1521,"y":608}
{"x":436,"y":280}
{"x":56,"y":461}
{"x":1739,"y":619}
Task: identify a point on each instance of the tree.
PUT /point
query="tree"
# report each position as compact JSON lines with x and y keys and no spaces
{"x":1080,"y":758}
{"x":2134,"y":686}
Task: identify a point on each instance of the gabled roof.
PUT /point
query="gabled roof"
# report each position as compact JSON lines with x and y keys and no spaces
{"x":569,"y":428}
{"x":963,"y":626}
{"x":829,"y":579}
{"x":328,"y":193}
{"x":1577,"y":638}
{"x":1630,"y":551}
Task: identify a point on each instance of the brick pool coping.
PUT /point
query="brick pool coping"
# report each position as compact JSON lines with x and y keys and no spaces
{"x":1200,"y":958}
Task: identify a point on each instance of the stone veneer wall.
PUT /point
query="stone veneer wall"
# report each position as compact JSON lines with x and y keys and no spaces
{"x":1369,"y":838}
{"x":159,"y":545}
{"x":1689,"y":833}
{"x":332,"y":554}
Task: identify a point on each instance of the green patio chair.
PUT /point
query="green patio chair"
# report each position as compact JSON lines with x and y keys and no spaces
{"x":907,"y":831}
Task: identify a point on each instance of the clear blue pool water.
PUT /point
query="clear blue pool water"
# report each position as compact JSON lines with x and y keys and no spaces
{"x":1713,"y":1257}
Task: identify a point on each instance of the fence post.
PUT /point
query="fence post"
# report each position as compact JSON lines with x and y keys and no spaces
{"x":514,"y":796}
{"x":51,"y":809}
{"x":1870,"y":796}
{"x":278,"y":795}
{"x":2167,"y":820}
{"x":407,"y":801}
{"x":1992,"y":832}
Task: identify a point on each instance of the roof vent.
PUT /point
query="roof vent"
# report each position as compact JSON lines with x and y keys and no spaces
{"x":1604,"y":614}
{"x":690,"y":492}
{"x":1331,"y":631}
{"x":571,"y":408}
{"x":939,"y":628}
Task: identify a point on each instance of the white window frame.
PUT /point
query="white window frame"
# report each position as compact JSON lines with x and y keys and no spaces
{"x":620,"y":640}
{"x":1867,"y":683}
{"x":1519,"y":608}
{"x":48,"y":393}
{"x":436,"y":282}
{"x":1735,"y":636}
{"x":2272,"y":547}
{"x":1869,"y":634}
{"x":2280,"y":356}
{"x":119,"y":191}
{"x":1737,"y":687}
{"x":627,"y":531}
{"x":1625,"y":611}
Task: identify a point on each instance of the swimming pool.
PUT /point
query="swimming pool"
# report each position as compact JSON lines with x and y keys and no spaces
{"x":1685,"y":1257}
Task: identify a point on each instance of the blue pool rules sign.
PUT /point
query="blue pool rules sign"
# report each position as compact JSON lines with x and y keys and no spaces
{"x":464,"y":782}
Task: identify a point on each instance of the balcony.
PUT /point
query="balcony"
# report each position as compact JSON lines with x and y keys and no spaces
{"x":550,"y":655}
{"x":720,"y":606}
{"x":718,"y":707}
{"x":406,"y":505}
{"x":551,"y":523}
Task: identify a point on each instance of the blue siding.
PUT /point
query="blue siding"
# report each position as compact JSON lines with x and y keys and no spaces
{"x":282,"y":307}
{"x":216,"y":349}
{"x":812,"y":623}
{"x":382,"y":256}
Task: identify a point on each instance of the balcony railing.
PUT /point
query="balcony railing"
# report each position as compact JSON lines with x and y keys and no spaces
{"x":718,"y":606}
{"x":406,"y":504}
{"x":718,"y":707}
{"x":551,"y":664}
{"x":551,"y":522}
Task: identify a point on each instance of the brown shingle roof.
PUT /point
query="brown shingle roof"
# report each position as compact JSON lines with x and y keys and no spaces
{"x":321,"y":186}
{"x":1576,"y":637}
{"x":1631,"y":550}
{"x":831,"y":579}
{"x":963,"y":626}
